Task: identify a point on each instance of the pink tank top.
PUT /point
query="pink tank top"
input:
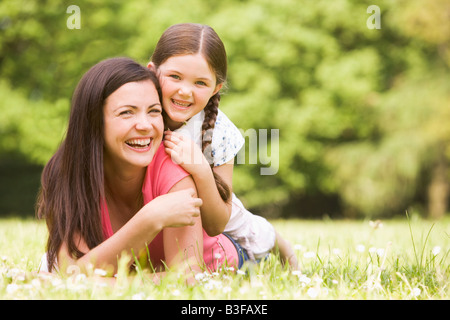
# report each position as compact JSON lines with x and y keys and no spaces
{"x":162,"y":174}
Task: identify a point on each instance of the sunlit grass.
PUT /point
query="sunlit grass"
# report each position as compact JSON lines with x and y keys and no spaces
{"x":395,"y":259}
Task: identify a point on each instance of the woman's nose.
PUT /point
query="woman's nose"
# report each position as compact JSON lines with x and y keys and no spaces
{"x":143,"y":123}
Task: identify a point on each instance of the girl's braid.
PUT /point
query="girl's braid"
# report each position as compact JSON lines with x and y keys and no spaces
{"x":211,"y":110}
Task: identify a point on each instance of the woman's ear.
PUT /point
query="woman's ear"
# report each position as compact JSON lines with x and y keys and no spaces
{"x":151,"y":66}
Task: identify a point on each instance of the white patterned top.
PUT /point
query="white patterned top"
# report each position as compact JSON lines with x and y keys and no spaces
{"x":227,"y":139}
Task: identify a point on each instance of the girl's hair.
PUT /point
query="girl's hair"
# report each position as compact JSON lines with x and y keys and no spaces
{"x":72,"y":182}
{"x":192,"y":38}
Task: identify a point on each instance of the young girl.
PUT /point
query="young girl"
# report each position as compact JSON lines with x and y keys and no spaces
{"x":111,"y":188}
{"x":191,"y":63}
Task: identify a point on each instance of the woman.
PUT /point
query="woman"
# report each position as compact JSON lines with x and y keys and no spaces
{"x":111,"y":189}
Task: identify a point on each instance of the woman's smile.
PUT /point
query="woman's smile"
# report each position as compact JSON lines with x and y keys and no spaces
{"x":139,"y":144}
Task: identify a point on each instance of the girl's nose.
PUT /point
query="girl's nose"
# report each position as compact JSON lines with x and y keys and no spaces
{"x":185,"y":91}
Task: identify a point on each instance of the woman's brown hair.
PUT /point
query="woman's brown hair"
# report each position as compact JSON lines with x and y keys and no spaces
{"x":72,"y":182}
{"x":192,"y":38}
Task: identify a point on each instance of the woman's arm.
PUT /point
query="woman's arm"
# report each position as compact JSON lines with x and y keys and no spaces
{"x":183,"y":247}
{"x":215,"y":212}
{"x":171,"y":210}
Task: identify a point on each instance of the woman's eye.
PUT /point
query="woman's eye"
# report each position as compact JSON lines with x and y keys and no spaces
{"x":126,"y":112}
{"x":201,"y":83}
{"x":174,"y":76}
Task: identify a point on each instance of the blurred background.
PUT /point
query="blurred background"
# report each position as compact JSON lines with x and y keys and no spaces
{"x":363,"y":113}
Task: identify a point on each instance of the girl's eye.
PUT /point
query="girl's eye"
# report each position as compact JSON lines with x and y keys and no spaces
{"x":201,"y":83}
{"x":174,"y":76}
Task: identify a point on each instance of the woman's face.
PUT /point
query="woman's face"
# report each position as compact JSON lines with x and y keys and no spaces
{"x":187,"y":83}
{"x":133,"y":125}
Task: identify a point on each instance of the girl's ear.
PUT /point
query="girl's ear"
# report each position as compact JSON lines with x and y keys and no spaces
{"x":151,"y":66}
{"x":217,"y":89}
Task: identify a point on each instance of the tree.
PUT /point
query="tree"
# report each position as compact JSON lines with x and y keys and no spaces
{"x":362,"y":113}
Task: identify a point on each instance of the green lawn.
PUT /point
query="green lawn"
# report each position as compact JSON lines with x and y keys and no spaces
{"x":401,"y":259}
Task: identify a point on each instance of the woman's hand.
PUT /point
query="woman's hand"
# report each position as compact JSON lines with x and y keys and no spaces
{"x":185,"y":153}
{"x":175,"y":209}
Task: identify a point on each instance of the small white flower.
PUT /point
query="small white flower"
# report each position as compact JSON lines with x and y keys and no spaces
{"x":199,"y":276}
{"x":336,"y":251}
{"x":312,"y":293}
{"x":176,"y":292}
{"x":243,"y":290}
{"x":138,"y":296}
{"x":318,"y":279}
{"x":217,"y":256}
{"x":36,"y":283}
{"x":56,"y":282}
{"x":304,"y":279}
{"x":80,"y":277}
{"x":216,"y":283}
{"x":226,"y":277}
{"x":380,"y":252}
{"x":240,"y":272}
{"x":298,"y":247}
{"x":360,"y":248}
{"x":11,"y":288}
{"x":309,"y":254}
{"x":100,"y":272}
{"x":416,"y":292}
{"x":436,"y":250}
{"x":226,"y":289}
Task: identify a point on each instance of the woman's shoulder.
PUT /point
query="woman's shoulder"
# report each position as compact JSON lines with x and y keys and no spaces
{"x":162,"y":173}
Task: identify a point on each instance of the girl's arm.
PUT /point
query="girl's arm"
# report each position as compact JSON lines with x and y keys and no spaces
{"x":215,"y":212}
{"x":171,"y":210}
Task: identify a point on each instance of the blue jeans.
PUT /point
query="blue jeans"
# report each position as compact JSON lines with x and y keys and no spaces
{"x":242,"y":253}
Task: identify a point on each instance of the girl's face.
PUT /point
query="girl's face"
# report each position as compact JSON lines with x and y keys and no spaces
{"x":133,"y":125}
{"x":187,"y":83}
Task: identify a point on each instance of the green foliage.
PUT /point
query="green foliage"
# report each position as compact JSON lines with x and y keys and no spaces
{"x":362,"y":113}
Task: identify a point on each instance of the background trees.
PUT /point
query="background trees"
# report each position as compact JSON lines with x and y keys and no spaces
{"x":363,"y":114}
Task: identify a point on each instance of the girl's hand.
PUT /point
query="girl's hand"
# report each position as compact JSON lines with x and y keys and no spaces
{"x":185,"y":152}
{"x":175,"y":209}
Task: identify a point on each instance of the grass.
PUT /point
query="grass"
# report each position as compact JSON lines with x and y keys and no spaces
{"x":400,"y":259}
